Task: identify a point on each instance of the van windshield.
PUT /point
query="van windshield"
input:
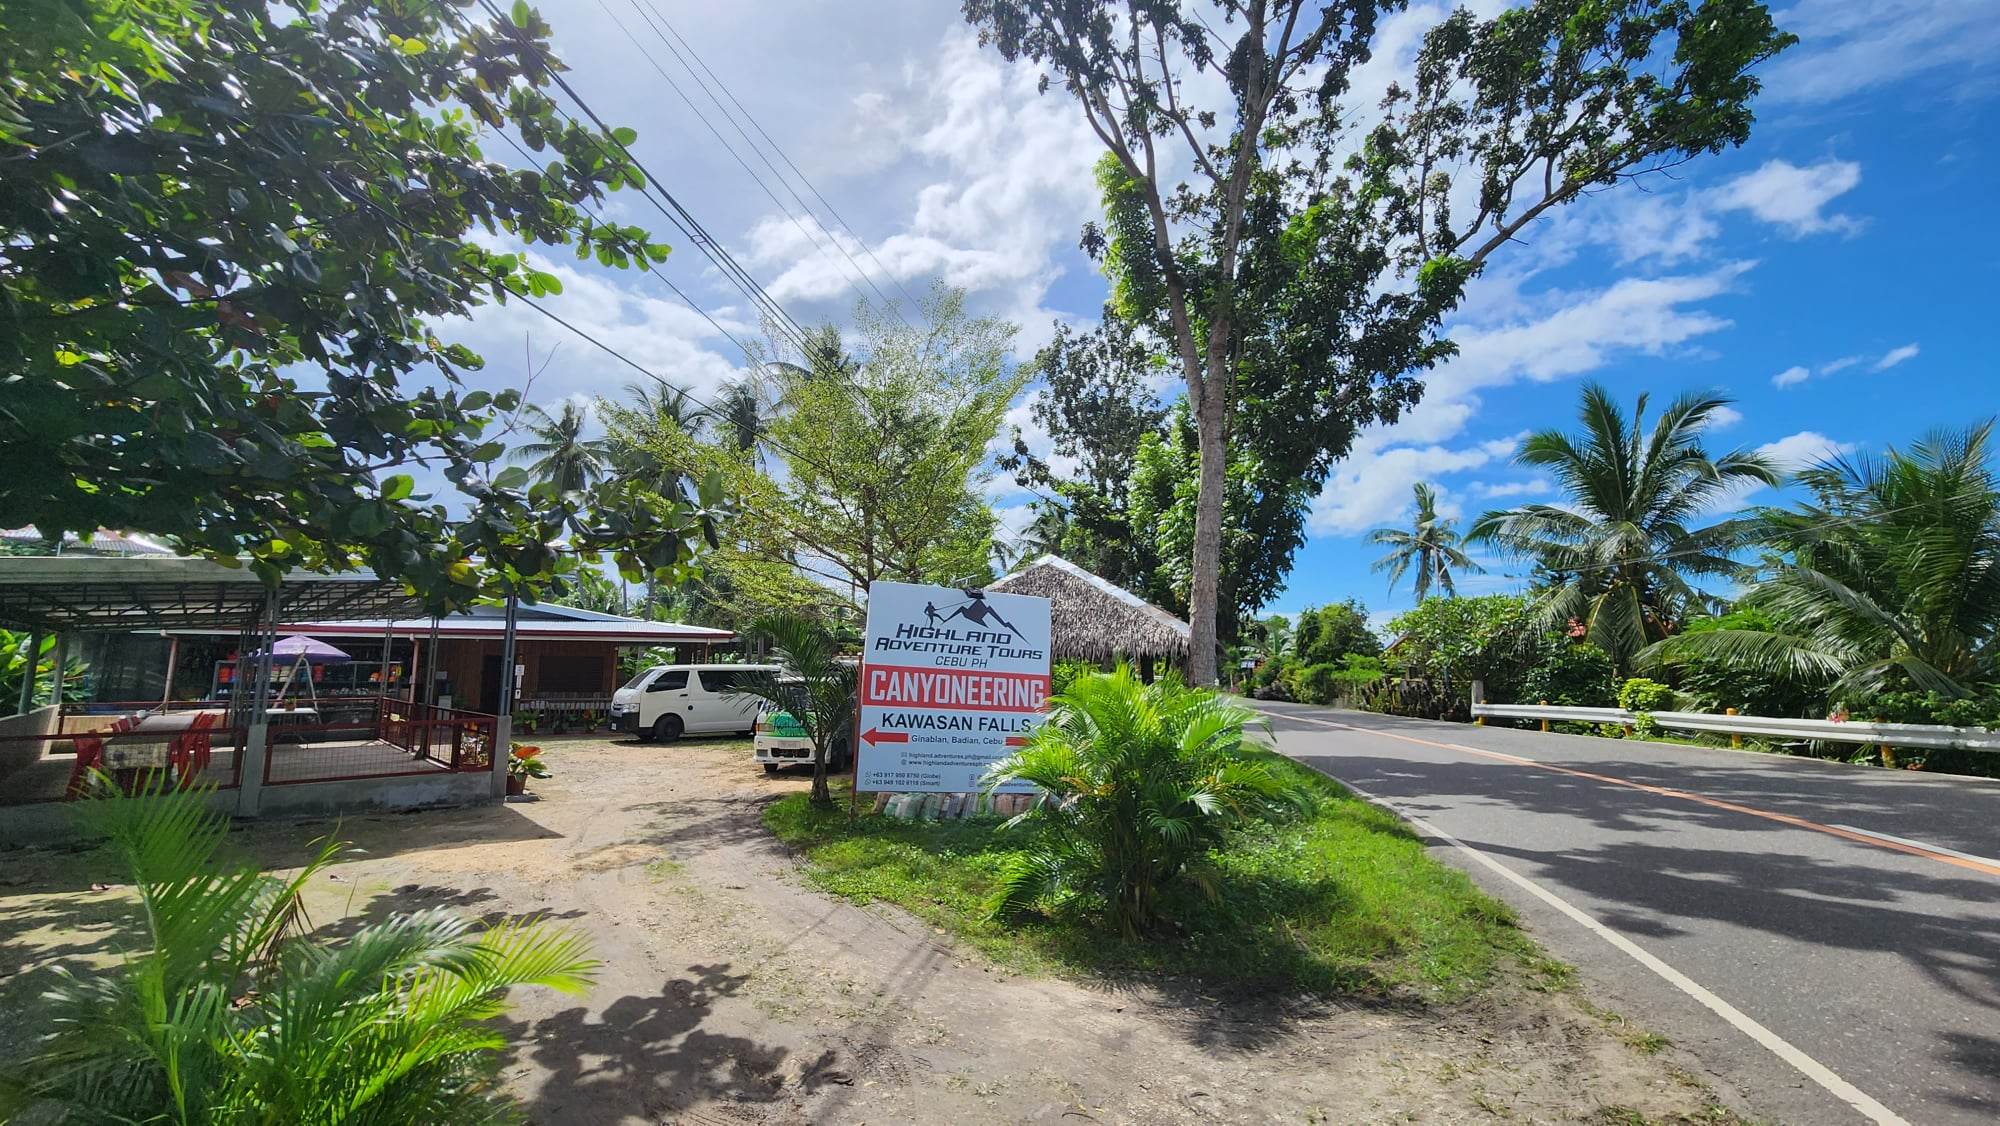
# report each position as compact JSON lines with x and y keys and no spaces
{"x":641,"y":678}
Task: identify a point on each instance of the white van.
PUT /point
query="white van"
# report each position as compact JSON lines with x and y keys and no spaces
{"x":668,"y":701}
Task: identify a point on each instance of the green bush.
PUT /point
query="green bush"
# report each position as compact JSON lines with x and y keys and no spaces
{"x":1570,"y":674}
{"x":1142,"y":781}
{"x":1980,"y":710}
{"x":1271,"y":681}
{"x":1642,"y":698}
{"x":1325,"y":635}
{"x":1066,"y":673}
{"x":1314,"y":684}
{"x":1641,"y":695}
{"x":1450,"y":642}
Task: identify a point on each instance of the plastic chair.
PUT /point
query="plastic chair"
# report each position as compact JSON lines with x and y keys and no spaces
{"x":192,"y":751}
{"x":90,"y":755}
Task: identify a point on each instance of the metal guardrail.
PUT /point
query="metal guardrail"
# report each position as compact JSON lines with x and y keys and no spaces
{"x":1910,"y":735}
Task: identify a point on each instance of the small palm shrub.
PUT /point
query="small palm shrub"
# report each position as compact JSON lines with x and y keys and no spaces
{"x":227,"y":1016}
{"x":1140,"y":782}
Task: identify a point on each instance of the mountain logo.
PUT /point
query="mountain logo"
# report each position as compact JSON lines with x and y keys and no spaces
{"x":974,"y":609}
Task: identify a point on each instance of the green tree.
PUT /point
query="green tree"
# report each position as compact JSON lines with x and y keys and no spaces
{"x":1097,"y":404}
{"x":560,"y":455}
{"x":1431,"y":544}
{"x":233,"y":233}
{"x":1888,"y":579}
{"x":1327,"y":634}
{"x":1262,"y":523}
{"x":220,"y":1014}
{"x":816,"y":687}
{"x":1618,"y":557}
{"x":884,"y":459}
{"x":1298,"y":289}
{"x":1455,"y":641}
{"x":1142,"y":781}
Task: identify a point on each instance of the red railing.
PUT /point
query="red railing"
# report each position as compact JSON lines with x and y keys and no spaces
{"x":401,"y":738}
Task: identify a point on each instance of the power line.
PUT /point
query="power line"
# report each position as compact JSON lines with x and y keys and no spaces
{"x":650,"y":267}
{"x":776,"y":148}
{"x":654,"y":189}
{"x":745,"y":165}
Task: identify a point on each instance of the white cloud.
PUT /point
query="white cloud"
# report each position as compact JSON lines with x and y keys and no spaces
{"x":1724,"y":417}
{"x":1852,"y":45}
{"x":1839,"y":365}
{"x":1372,"y":487}
{"x":1791,"y":376}
{"x":1789,"y":455}
{"x":1895,"y":356}
{"x":1533,"y":487}
{"x":1802,"y":450}
{"x":1791,"y":197}
{"x":1009,"y":184}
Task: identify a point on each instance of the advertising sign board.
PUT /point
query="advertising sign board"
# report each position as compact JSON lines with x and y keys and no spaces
{"x":951,"y":682}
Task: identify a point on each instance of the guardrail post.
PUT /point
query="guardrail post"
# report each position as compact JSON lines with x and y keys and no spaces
{"x":1545,"y":723}
{"x":1735,"y":737}
{"x":1888,"y":755}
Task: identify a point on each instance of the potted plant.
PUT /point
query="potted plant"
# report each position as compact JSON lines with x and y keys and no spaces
{"x":524,"y":763}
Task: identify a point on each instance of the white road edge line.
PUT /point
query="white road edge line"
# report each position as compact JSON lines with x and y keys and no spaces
{"x":1779,"y":1046}
{"x":1925,"y":845}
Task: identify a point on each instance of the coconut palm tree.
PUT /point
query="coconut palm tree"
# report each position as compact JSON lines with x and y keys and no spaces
{"x":1431,"y":544}
{"x":1617,"y":559}
{"x":739,"y":413}
{"x":222,"y":1012}
{"x":1889,"y":578}
{"x":561,"y":454}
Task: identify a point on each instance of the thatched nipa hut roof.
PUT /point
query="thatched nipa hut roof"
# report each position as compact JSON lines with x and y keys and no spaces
{"x":1096,"y":620}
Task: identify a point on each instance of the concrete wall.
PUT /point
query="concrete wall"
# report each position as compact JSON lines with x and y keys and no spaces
{"x":375,"y":795}
{"x":20,"y":756}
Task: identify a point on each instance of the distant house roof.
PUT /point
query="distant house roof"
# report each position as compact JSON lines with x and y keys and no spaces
{"x":102,"y":542}
{"x":1095,"y":619}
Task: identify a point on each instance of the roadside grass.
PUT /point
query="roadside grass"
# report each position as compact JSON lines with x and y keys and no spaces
{"x":1343,"y":901}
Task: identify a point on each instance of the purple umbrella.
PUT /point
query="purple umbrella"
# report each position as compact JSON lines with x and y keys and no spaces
{"x":299,"y":645}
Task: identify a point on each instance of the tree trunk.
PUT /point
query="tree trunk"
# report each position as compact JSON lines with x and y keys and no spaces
{"x":1203,"y":595}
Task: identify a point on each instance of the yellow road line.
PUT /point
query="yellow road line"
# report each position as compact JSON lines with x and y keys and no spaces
{"x":1872,"y":839}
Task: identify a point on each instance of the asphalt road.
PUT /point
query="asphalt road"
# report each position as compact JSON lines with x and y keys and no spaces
{"x":1854,"y":965}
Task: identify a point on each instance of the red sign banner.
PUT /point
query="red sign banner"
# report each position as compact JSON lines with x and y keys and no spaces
{"x":969,"y":690}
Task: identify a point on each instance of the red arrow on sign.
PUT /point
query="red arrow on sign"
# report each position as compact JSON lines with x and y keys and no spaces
{"x":1017,"y":740}
{"x":876,"y":735}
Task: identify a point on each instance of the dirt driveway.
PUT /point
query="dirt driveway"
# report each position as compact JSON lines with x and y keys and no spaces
{"x":732,"y":994}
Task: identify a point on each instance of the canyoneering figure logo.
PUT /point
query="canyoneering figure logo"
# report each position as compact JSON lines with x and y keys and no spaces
{"x":975,"y":610}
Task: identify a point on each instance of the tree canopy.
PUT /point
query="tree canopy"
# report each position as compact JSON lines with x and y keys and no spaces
{"x":227,"y":231}
{"x":1301,"y":283}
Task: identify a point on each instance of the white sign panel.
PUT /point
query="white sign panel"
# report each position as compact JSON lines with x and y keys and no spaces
{"x":951,"y":682}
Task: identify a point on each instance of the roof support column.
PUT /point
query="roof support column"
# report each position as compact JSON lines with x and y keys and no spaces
{"x":431,"y":656}
{"x":503,"y":725}
{"x":28,"y":673}
{"x":256,"y":753}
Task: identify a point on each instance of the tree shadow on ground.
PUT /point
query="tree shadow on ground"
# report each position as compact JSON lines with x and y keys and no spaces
{"x":651,"y":1057}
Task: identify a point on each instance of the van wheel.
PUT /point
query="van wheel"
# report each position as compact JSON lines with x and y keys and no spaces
{"x":770,"y":768}
{"x":667,"y":728}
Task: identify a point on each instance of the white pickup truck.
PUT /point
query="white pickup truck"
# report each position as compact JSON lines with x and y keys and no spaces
{"x":668,"y":701}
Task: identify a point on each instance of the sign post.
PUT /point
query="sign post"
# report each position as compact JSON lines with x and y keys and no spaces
{"x":952,"y":681}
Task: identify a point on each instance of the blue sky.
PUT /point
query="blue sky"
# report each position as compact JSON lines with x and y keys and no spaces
{"x":1830,"y":276}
